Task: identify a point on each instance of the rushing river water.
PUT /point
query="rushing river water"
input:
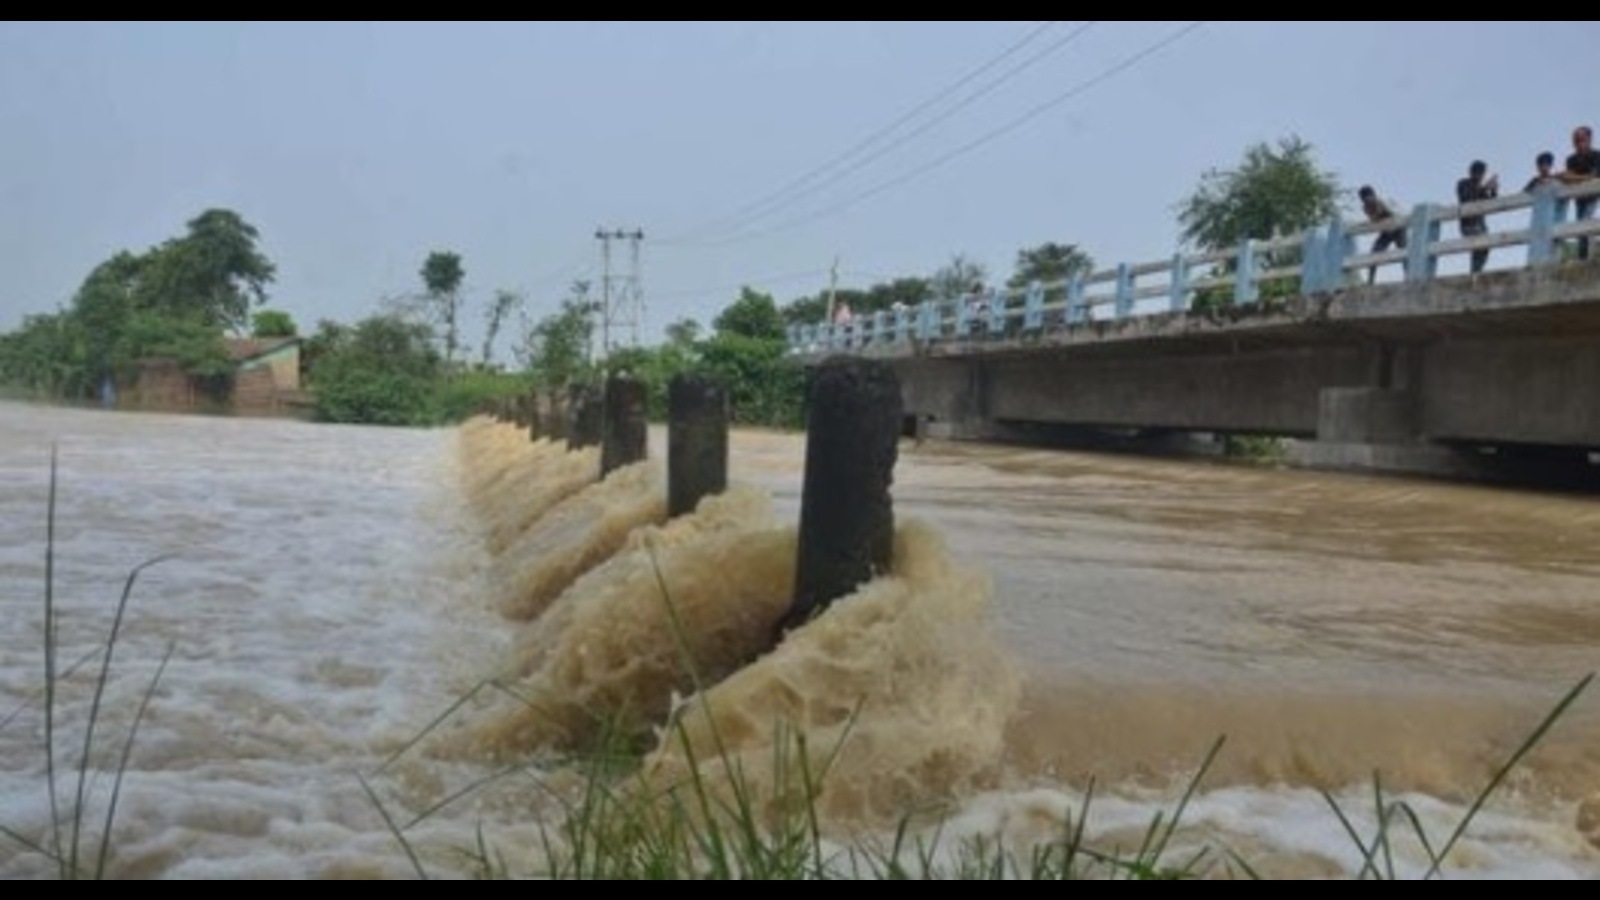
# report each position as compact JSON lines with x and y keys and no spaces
{"x":324,"y":595}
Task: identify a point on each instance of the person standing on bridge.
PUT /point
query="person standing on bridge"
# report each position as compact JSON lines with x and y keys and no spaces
{"x":1378,"y":210}
{"x":1471,"y":189}
{"x":1543,"y":165}
{"x":1582,"y":166}
{"x":977,"y":307}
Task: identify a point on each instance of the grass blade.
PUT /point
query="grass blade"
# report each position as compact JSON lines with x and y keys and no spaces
{"x":1381,"y":839}
{"x":1149,"y":855}
{"x":50,"y":662}
{"x":1349,"y":830}
{"x":29,"y":844}
{"x":39,"y":694}
{"x":122,"y":763}
{"x":104,"y":676}
{"x":1505,"y":769}
{"x":453,"y":796}
{"x":429,"y":728}
{"x":411,"y":854}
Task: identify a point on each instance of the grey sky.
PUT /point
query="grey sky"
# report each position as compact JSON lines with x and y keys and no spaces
{"x":358,"y":148}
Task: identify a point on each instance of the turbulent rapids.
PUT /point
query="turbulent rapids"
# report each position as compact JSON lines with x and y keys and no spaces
{"x":662,"y":632}
{"x":658,"y":634}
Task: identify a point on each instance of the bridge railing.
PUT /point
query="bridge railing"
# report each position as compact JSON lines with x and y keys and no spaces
{"x":1320,"y":260}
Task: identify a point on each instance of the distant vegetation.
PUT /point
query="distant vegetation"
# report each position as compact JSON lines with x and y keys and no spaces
{"x":408,"y":365}
{"x":176,"y":300}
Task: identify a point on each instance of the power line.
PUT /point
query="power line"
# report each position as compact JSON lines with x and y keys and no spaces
{"x":551,"y":275}
{"x":726,"y":221}
{"x":974,"y":144}
{"x":747,"y":282}
{"x":928,"y":125}
{"x":876,"y":277}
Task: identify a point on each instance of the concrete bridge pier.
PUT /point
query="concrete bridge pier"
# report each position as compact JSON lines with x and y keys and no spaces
{"x":1382,"y":411}
{"x":1376,"y":429}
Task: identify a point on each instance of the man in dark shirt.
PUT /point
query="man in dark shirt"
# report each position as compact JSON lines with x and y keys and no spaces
{"x":1377,"y":211}
{"x":1471,"y":189}
{"x":1582,"y":165}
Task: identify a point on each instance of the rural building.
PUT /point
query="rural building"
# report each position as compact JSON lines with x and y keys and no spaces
{"x":265,"y":381}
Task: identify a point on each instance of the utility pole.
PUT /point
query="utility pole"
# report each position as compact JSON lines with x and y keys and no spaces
{"x":621,"y":296}
{"x":605,"y":289}
{"x":833,"y":285}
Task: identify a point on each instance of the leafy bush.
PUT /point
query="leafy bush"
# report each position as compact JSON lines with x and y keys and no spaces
{"x":763,"y":387}
{"x":382,"y":371}
{"x":464,"y":394}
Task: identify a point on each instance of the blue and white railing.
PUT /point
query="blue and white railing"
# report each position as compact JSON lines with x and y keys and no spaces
{"x":1325,"y":259}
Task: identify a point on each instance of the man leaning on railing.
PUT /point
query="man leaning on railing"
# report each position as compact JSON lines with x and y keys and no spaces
{"x":1583,"y":165}
{"x":1378,"y":210}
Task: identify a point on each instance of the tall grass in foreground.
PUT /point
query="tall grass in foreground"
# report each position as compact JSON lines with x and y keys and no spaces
{"x":68,"y":842}
{"x":622,"y":826}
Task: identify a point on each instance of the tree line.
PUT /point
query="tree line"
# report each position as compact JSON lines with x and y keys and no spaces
{"x":406,"y":364}
{"x":175,"y":300}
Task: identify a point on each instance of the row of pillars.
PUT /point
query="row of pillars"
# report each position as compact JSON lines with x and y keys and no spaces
{"x":852,"y":443}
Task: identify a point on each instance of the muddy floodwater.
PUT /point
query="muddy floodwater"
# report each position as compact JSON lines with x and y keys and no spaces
{"x":325,"y":594}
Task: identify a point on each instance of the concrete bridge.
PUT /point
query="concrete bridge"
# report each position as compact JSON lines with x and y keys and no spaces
{"x":1421,"y":371}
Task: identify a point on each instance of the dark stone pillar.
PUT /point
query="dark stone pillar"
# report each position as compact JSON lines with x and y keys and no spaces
{"x":585,"y":416}
{"x":624,"y":435}
{"x":846,"y":516}
{"x":697,"y":442}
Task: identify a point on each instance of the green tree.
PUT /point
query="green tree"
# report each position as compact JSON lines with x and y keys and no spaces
{"x":904,"y":291}
{"x":807,"y":310}
{"x":882,"y":296}
{"x":174,"y":300}
{"x":764,"y":388}
{"x":212,"y":275}
{"x":753,"y":315}
{"x":504,"y":302}
{"x":381,"y":371}
{"x":328,"y":337}
{"x":45,"y":357}
{"x":272,"y":323}
{"x":683,"y":333}
{"x":747,"y":354}
{"x":442,"y":275}
{"x":1274,"y":191}
{"x":957,"y":277}
{"x":1051,"y":264}
{"x":557,"y":346}
{"x":103,"y":307}
{"x":656,"y":367}
{"x":193,"y":343}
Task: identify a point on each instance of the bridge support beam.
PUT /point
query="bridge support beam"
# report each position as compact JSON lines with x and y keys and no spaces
{"x":1379,"y":429}
{"x":1366,"y":415}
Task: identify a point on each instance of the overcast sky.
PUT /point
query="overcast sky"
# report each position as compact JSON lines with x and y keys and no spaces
{"x":748,"y":152}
